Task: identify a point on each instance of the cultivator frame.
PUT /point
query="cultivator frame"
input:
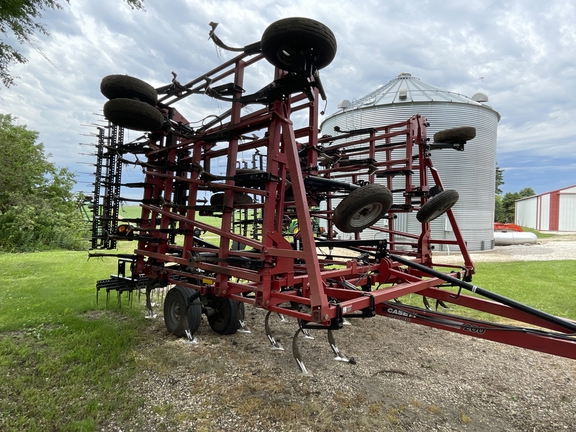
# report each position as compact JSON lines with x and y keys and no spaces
{"x":249,"y":257}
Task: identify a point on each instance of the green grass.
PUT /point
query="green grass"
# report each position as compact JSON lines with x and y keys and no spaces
{"x":539,"y":234}
{"x":545,"y":285}
{"x":65,"y":364}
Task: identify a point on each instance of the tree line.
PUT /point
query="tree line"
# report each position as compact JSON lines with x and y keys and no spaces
{"x":504,"y":206}
{"x":38,"y":208}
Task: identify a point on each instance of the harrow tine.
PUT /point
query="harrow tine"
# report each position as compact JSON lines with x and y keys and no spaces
{"x":297,"y":355}
{"x":339,"y":356}
{"x":441,"y":304}
{"x":192,"y":340}
{"x":275,"y":345}
{"x":426,"y":303}
{"x":282,"y":318}
{"x":306,"y":334}
{"x":242,"y":326}
{"x":150,"y":314}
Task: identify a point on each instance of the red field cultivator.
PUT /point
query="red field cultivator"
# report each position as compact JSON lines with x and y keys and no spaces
{"x":287,"y":236}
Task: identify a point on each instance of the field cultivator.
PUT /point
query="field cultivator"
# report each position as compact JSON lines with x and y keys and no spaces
{"x":284,"y":234}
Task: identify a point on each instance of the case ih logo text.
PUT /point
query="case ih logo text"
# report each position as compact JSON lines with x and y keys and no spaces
{"x":400,"y":314}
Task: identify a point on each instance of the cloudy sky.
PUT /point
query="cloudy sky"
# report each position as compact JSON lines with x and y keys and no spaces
{"x":520,"y":53}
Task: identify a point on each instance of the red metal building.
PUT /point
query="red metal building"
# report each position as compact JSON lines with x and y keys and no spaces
{"x":550,"y":211}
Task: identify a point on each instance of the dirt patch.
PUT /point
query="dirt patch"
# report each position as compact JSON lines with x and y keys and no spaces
{"x":406,"y":377}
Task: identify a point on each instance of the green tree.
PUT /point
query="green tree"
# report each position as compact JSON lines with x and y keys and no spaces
{"x":509,"y":203}
{"x":38,"y":208}
{"x":499,"y":180}
{"x":498,"y":209}
{"x":20,"y":19}
{"x":499,"y":215}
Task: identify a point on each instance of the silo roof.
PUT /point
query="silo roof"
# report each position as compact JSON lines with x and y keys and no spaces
{"x":406,"y":88}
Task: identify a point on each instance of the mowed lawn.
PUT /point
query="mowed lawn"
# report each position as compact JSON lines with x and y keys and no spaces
{"x":66,"y":363}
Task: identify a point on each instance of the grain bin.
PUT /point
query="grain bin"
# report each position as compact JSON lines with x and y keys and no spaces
{"x":471,"y":172}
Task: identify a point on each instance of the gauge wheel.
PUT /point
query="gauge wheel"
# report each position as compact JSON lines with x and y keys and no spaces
{"x":458,"y":135}
{"x":362,"y":208}
{"x":437,"y":205}
{"x":124,"y":86}
{"x":290,"y":38}
{"x":175,"y":310}
{"x":225,"y":319}
{"x":133,"y":114}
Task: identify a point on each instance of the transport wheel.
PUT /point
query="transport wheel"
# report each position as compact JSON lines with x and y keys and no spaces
{"x":289,"y":39}
{"x":194,"y":314}
{"x":362,"y":208}
{"x":175,"y":310}
{"x":133,"y":114}
{"x":437,"y":205}
{"x":225,"y":320}
{"x":458,"y":135}
{"x":124,"y":86}
{"x":239,"y":198}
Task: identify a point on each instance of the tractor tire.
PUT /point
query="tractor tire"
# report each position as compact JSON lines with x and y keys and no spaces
{"x":362,"y":208}
{"x":437,"y":205}
{"x":133,"y":114}
{"x":127,"y":87}
{"x":239,"y":199}
{"x":175,"y":305}
{"x":288,"y":38}
{"x":225,"y":320}
{"x":458,"y":135}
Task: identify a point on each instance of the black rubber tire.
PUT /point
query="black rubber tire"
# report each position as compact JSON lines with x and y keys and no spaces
{"x":437,"y":205}
{"x":362,"y":208}
{"x":218,"y":199}
{"x":458,"y":135}
{"x":175,"y":310}
{"x":124,"y":86}
{"x":225,"y":320}
{"x":250,"y":183}
{"x":133,"y":114}
{"x":194,"y":314}
{"x":285,"y":38}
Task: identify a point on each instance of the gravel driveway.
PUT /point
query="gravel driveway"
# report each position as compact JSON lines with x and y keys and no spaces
{"x":406,"y":377}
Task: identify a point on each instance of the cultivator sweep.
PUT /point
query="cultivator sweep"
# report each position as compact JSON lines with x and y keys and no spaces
{"x":287,"y":234}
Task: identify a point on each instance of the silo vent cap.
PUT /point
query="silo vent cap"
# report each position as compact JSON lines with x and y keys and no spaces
{"x":480,"y":97}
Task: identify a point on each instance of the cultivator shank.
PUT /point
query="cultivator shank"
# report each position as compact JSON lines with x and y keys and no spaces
{"x":224,"y":235}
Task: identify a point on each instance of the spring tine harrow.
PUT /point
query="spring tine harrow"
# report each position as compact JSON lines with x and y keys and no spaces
{"x":339,"y":355}
{"x":297,"y":355}
{"x":274,"y":344}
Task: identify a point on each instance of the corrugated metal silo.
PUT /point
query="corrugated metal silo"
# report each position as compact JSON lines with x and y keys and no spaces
{"x":472,"y":172}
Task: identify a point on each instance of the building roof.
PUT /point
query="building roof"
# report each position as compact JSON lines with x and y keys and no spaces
{"x":566,"y":188}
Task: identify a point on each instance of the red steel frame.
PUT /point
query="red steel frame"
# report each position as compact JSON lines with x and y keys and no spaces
{"x":271,"y":272}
